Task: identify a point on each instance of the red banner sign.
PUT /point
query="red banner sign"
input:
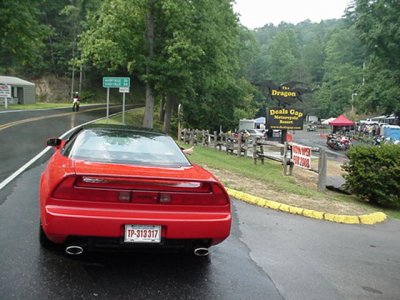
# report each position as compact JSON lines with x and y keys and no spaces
{"x":301,"y":156}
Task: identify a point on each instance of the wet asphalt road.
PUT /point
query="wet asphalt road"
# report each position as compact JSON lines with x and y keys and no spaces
{"x":22,"y":141}
{"x":317,"y":139}
{"x":269,"y":255}
{"x":29,"y":272}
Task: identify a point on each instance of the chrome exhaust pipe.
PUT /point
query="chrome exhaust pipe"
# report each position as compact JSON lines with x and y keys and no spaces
{"x":74,"y":250}
{"x":201,"y":251}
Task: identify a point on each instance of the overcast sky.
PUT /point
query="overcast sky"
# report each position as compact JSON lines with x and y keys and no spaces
{"x":257,"y":13}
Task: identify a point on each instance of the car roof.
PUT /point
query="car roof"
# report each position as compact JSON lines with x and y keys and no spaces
{"x":122,"y":127}
{"x":116,"y":127}
{"x":109,"y":143}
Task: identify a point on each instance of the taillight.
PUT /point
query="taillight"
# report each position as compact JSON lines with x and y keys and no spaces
{"x":65,"y":190}
{"x":144,"y":184}
{"x":139,"y":190}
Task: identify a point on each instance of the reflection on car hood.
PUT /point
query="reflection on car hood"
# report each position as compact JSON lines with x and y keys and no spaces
{"x":94,"y":168}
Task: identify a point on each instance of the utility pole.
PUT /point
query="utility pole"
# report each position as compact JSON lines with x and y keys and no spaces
{"x":352,"y":101}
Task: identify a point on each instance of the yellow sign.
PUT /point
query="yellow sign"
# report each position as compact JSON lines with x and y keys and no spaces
{"x":285,"y":118}
{"x":283,"y":93}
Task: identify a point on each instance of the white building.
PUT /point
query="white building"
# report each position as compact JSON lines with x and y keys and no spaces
{"x":22,"y":91}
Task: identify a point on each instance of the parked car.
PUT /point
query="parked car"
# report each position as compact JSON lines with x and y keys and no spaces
{"x":311,"y":127}
{"x":116,"y":187}
{"x":257,"y":133}
{"x":277,"y":133}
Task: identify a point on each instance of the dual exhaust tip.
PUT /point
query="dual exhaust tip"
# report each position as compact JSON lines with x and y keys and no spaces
{"x":200,"y":251}
{"x":74,"y":250}
{"x":78,"y":250}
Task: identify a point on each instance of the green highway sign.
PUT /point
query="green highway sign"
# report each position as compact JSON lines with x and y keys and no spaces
{"x":116,"y":82}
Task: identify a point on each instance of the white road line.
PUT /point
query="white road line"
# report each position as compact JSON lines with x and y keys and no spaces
{"x":43,"y":152}
{"x":23,"y":168}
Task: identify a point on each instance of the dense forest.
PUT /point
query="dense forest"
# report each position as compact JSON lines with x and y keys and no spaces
{"x":197,"y":53}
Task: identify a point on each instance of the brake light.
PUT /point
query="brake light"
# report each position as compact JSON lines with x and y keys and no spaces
{"x":138,"y":190}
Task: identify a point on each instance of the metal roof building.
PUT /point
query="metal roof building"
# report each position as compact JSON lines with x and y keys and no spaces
{"x":22,"y":91}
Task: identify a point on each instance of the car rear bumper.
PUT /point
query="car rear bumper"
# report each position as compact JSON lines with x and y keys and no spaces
{"x":60,"y":223}
{"x":107,"y":244}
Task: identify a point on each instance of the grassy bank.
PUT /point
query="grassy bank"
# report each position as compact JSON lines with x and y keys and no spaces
{"x":270,"y":177}
{"x":133,"y":117}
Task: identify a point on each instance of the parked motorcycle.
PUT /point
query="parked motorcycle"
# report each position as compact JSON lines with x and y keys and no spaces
{"x":340,"y":143}
{"x":377,"y":141}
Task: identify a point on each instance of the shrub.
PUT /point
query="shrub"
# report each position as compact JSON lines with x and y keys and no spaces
{"x":373,"y":173}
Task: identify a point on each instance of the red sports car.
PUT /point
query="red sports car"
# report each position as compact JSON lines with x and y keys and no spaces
{"x":117,"y":187}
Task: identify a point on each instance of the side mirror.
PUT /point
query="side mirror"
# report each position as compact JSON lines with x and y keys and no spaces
{"x":54,"y":142}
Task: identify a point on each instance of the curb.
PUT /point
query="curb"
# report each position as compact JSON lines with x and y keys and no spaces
{"x":369,"y":219}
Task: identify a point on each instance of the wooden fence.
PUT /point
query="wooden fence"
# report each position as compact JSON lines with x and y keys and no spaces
{"x":257,"y":149}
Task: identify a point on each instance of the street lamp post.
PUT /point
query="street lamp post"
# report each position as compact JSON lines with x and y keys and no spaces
{"x":179,"y":121}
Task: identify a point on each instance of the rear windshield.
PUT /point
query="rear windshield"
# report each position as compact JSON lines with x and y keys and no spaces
{"x":126,"y":147}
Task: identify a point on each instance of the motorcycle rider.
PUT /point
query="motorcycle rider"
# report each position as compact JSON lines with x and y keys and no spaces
{"x":75,"y":102}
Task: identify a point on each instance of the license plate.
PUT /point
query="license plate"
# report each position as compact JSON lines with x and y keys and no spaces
{"x":142,"y":234}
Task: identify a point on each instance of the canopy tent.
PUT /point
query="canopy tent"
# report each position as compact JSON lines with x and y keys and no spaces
{"x":327,"y":121}
{"x":341,"y":121}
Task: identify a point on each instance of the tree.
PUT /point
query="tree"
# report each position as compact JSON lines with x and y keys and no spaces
{"x":343,"y":72}
{"x":314,"y":58}
{"x":377,"y":22}
{"x":220,"y":92}
{"x":284,"y":57}
{"x":250,"y":55}
{"x":298,"y":52}
{"x":116,"y":40}
{"x":183,"y":50}
{"x":177,"y":53}
{"x":21,"y":35}
{"x":57,"y":45}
